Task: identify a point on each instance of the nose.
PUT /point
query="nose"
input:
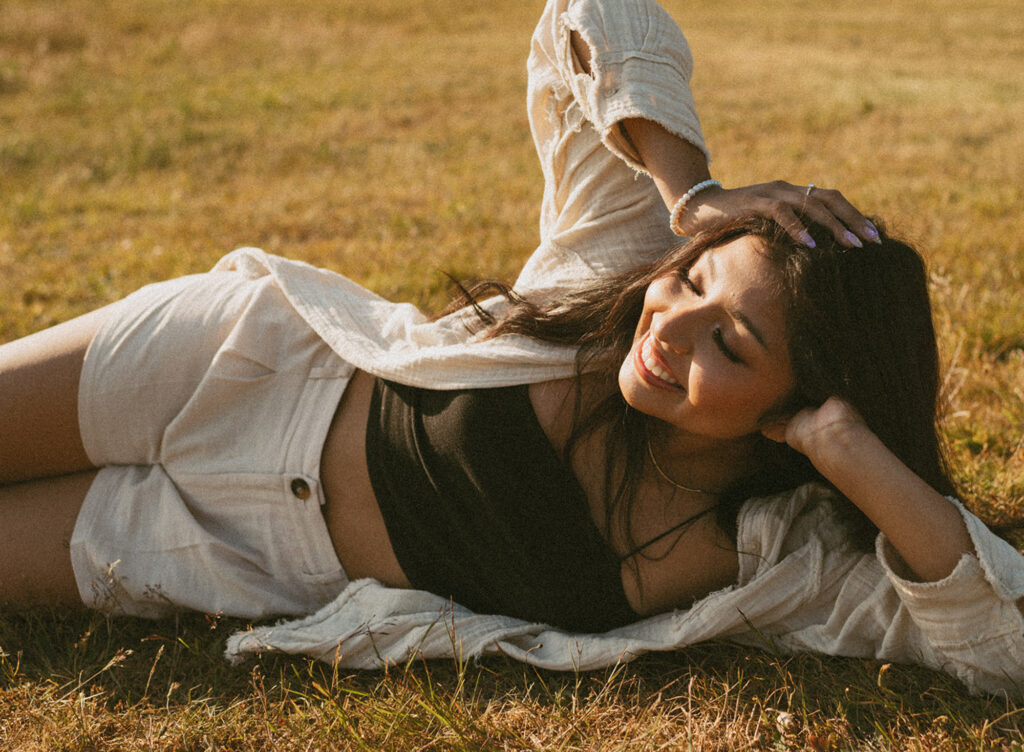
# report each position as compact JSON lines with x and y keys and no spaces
{"x":673,"y":328}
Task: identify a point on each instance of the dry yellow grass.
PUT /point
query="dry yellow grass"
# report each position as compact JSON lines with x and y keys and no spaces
{"x":388,"y":140}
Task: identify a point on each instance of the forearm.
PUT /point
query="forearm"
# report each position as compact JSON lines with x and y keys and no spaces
{"x":922,"y":525}
{"x":675,"y":164}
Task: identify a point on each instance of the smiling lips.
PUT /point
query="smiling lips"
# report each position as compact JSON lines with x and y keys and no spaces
{"x":651,"y":366}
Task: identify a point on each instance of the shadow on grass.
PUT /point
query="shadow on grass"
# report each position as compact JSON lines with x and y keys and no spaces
{"x":816,"y":700}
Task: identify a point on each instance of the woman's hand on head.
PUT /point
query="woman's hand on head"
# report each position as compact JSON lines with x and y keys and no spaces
{"x":821,"y":433}
{"x":676,"y":166}
{"x":782,"y":202}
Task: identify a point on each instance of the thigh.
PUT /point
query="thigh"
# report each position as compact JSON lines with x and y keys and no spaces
{"x":37,"y":519}
{"x":254,"y":545}
{"x":39,"y":376}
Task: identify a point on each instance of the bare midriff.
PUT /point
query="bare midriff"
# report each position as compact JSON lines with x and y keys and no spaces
{"x":354,"y":521}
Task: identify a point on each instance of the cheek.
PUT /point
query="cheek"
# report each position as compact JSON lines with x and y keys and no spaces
{"x":737,"y":395}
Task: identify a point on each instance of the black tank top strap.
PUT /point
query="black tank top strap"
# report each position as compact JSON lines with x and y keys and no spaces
{"x":661,"y":536}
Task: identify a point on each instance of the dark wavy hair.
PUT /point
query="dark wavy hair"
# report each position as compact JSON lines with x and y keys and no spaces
{"x":859,"y":326}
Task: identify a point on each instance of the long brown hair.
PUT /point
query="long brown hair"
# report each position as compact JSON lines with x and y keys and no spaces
{"x":859,"y":327}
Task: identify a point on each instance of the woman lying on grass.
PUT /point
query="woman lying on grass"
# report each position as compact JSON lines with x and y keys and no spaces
{"x":711,"y":436}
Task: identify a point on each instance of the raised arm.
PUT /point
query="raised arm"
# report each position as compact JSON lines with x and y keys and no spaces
{"x":676,"y":166}
{"x":924,"y":528}
{"x":609,"y":97}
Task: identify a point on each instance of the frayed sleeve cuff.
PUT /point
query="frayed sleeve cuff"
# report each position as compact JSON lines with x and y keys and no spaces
{"x":640,"y":68}
{"x":977,"y":599}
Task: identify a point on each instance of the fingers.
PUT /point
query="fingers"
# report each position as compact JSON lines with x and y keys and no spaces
{"x":788,"y":220}
{"x":825,"y":206}
{"x":812,"y":431}
{"x":776,"y":431}
{"x":829,"y":208}
{"x":786,"y":204}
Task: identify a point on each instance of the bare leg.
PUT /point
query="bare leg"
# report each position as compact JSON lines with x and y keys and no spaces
{"x":39,"y":433}
{"x":36,"y":522}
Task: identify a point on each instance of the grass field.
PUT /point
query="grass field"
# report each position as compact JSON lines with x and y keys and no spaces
{"x":142,"y":139}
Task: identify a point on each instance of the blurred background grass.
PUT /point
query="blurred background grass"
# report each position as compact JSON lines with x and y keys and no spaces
{"x":142,"y":139}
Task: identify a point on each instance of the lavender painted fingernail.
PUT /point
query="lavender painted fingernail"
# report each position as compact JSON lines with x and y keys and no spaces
{"x":853,"y":239}
{"x":807,"y":240}
{"x":872,"y":232}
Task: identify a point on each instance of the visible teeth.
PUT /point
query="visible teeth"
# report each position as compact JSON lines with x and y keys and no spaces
{"x":647,"y":356}
{"x":652,"y":365}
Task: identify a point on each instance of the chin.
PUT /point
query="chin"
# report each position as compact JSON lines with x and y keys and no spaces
{"x":639,"y":396}
{"x":644,"y":391}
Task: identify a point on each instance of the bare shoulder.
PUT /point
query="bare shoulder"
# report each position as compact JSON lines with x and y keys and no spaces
{"x":554,"y":402}
{"x":553,"y":405}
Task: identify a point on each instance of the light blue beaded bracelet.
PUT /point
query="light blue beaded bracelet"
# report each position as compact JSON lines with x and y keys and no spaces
{"x":680,"y":207}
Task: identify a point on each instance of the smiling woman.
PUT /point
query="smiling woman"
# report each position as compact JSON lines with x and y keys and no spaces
{"x":636,"y":427}
{"x":700,"y":362}
{"x":704,"y":404}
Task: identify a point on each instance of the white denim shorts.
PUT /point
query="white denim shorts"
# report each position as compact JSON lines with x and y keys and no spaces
{"x":205,"y":401}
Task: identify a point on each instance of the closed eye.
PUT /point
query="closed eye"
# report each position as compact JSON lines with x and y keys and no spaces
{"x":684,"y":277}
{"x":716,"y":335}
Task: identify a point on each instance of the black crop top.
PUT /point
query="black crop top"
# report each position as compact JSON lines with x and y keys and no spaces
{"x":479,"y":507}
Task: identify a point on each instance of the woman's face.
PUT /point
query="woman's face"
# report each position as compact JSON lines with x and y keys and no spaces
{"x":710,"y":354}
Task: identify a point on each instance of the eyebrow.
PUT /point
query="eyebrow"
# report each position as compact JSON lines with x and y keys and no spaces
{"x":738,"y":315}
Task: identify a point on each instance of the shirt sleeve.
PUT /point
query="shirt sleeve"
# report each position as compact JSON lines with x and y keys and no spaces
{"x":640,"y":68}
{"x":601,"y":212}
{"x":971,"y":619}
{"x":828,"y":597}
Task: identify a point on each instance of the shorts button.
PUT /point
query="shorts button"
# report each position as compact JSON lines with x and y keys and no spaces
{"x":300,"y":488}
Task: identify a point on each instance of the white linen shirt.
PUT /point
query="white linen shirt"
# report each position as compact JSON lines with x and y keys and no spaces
{"x":802,"y":586}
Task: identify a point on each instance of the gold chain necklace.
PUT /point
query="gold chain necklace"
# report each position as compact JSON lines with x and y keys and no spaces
{"x":669,"y":479}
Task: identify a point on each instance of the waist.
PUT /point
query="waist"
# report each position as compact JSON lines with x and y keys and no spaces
{"x":354,"y":520}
